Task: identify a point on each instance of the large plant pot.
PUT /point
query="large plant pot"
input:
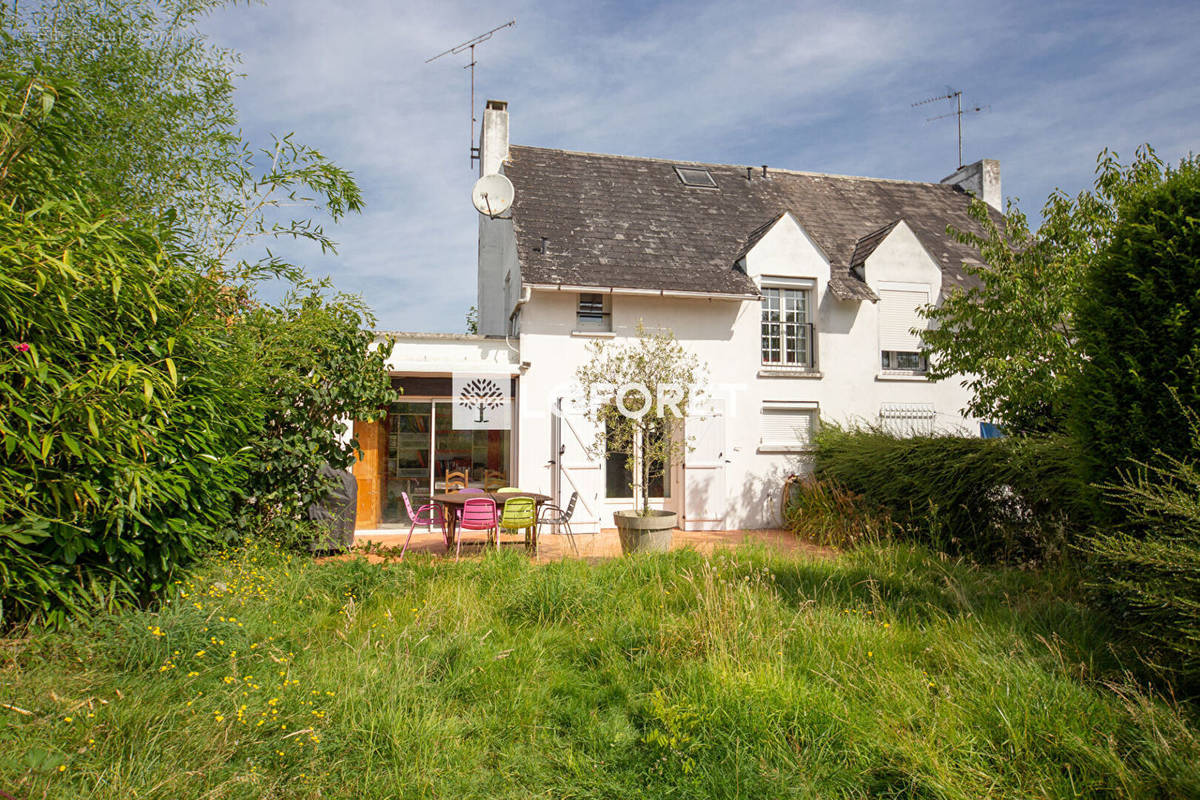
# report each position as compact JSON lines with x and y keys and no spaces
{"x":650,"y":534}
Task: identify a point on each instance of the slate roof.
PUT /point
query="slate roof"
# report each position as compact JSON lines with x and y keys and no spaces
{"x":625,"y":222}
{"x":865,"y":246}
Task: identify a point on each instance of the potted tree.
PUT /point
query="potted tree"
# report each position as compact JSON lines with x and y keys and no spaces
{"x":637,"y":394}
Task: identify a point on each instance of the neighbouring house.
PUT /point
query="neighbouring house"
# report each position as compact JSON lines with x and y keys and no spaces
{"x":799,"y":291}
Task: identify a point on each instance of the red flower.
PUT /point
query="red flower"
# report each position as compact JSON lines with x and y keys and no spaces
{"x":22,"y":347}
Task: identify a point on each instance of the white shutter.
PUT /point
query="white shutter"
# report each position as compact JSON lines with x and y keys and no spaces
{"x":580,"y":471}
{"x":787,"y":427}
{"x":897,"y":315}
{"x":704,"y":502}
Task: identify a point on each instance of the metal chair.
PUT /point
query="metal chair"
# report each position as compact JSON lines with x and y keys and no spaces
{"x":478,"y":514}
{"x":456,"y":479}
{"x":425,"y":516}
{"x":554,"y":515}
{"x":520,"y":513}
{"x":468,"y":490}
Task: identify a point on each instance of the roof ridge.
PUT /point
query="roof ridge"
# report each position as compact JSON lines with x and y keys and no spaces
{"x":678,"y":161}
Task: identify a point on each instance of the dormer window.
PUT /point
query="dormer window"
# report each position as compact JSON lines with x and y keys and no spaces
{"x":696,"y":176}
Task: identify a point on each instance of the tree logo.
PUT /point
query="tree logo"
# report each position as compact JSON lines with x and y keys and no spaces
{"x":481,"y":402}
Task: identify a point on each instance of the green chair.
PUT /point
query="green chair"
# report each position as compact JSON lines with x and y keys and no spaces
{"x":507,"y":490}
{"x":520,"y":514}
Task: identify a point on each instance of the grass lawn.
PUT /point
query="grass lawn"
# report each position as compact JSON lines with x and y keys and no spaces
{"x":886,"y":672}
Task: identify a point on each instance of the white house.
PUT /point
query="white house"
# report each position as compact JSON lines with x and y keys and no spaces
{"x":798,"y":291}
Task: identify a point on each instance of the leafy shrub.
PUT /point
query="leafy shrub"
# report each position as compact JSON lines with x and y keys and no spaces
{"x":316,"y":369}
{"x":123,"y":409}
{"x":995,"y":499}
{"x":1137,"y":323}
{"x":826,"y":513}
{"x":150,"y":406}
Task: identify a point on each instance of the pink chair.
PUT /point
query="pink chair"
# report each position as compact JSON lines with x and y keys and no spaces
{"x":458,"y":511}
{"x":425,"y":516}
{"x":478,"y":514}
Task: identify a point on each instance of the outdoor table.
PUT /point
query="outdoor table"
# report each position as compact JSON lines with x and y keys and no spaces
{"x":451,"y":502}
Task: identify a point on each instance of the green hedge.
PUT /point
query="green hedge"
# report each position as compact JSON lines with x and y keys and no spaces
{"x":1148,"y":573}
{"x":1005,"y":499}
{"x":1137,"y":322}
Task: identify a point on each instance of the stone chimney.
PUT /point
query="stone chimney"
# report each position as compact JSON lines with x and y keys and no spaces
{"x":493,"y":138}
{"x":981,"y":179}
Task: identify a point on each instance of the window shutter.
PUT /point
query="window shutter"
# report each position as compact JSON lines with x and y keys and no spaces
{"x":787,"y":427}
{"x":898,"y":314}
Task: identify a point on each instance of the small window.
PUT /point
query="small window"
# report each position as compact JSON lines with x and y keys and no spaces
{"x":787,"y":426}
{"x":902,"y":361}
{"x":595,"y":312}
{"x":787,"y":333}
{"x":907,"y":419}
{"x":696,"y":176}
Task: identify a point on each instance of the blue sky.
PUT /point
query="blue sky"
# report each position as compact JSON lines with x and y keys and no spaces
{"x":812,"y":86}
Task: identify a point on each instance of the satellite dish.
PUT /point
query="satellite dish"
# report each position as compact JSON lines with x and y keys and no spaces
{"x":492,"y":195}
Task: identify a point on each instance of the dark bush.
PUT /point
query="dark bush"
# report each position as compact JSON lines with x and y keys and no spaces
{"x":1147,"y":571}
{"x":1138,"y":324}
{"x":1006,"y":499}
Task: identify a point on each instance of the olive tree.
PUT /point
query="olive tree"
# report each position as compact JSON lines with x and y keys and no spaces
{"x":637,"y":392}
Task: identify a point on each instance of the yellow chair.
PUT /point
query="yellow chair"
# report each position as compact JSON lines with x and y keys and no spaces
{"x":507,"y":490}
{"x":520,"y":514}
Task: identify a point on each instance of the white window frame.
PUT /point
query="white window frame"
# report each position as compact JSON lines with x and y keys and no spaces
{"x":782,"y":284}
{"x":780,"y":407}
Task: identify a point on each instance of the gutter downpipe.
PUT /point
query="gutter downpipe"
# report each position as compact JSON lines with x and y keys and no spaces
{"x":526,"y":294}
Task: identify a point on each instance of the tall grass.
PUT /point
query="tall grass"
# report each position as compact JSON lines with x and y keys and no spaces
{"x":887,"y":672}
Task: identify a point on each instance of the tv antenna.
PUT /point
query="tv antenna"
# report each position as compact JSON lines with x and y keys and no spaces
{"x":954,"y":95}
{"x":469,"y":45}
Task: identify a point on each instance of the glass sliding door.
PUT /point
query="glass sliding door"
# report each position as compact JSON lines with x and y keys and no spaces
{"x":410,"y":441}
{"x":482,"y":455}
{"x":423,"y":446}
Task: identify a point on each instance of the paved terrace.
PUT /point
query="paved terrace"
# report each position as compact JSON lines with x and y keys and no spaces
{"x":596,"y":546}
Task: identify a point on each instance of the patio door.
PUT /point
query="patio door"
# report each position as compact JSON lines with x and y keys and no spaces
{"x":573,"y":468}
{"x":704,"y":471}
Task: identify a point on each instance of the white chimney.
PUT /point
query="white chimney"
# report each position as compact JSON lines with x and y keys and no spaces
{"x":493,"y":139}
{"x":981,"y":179}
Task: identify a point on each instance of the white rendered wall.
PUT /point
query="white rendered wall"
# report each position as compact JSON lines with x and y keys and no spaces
{"x":725,"y":334}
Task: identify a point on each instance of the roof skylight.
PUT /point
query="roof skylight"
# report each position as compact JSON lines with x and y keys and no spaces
{"x":696,"y":176}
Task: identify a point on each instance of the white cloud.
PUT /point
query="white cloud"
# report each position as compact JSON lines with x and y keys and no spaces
{"x":807,"y":86}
